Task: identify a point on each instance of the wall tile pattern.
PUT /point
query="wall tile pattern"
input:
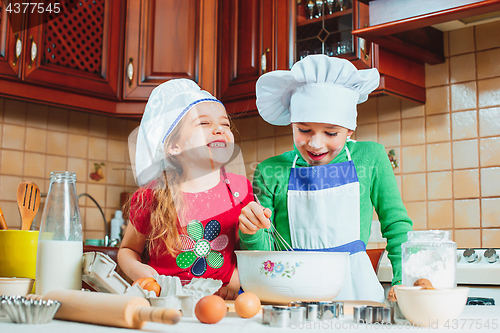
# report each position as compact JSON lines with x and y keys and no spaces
{"x":37,"y":139}
{"x":448,"y":149}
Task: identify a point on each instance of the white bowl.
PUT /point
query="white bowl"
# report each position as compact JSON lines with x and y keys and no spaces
{"x":286,"y":276}
{"x":15,"y":286}
{"x":431,"y":307}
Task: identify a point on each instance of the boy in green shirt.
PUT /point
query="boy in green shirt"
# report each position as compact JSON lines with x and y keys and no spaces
{"x":321,"y":195}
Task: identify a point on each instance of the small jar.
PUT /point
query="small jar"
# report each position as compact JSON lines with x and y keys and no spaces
{"x":429,"y":254}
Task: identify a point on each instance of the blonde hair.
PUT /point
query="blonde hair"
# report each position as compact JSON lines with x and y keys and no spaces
{"x":170,"y":208}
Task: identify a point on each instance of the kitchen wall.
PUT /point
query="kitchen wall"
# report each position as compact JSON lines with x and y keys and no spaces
{"x":37,"y":139}
{"x":448,"y":149}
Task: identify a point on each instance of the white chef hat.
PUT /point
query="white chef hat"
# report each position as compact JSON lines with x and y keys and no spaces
{"x":167,"y":105}
{"x":318,"y":89}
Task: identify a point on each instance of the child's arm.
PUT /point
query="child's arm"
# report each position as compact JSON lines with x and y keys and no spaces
{"x":129,"y":255}
{"x":230,"y":291}
{"x":254,"y":218}
{"x":394,"y":220}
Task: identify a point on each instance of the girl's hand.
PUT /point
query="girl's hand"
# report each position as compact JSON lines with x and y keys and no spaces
{"x":254,"y":217}
{"x":227,"y":293}
{"x":138,"y":270}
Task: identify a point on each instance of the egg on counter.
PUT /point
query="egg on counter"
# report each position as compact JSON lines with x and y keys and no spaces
{"x":210,"y":309}
{"x":247,"y":305}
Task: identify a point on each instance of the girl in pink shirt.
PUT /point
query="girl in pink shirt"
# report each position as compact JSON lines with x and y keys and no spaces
{"x":187,"y":208}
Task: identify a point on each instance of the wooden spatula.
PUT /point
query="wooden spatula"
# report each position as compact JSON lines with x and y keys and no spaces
{"x":28,"y":200}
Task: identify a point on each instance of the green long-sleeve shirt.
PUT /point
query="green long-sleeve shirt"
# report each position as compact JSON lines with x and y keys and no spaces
{"x":378,"y":188}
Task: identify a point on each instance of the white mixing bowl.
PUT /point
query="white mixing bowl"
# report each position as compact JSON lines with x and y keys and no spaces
{"x":431,"y":307}
{"x":286,"y":276}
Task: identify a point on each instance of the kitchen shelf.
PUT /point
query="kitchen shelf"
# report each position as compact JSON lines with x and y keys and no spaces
{"x":413,"y":36}
{"x":345,"y":12}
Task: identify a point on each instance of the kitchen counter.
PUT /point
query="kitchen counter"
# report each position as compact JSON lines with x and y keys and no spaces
{"x":472,"y":315}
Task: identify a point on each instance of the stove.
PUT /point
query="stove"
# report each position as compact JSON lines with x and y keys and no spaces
{"x":478,"y":269}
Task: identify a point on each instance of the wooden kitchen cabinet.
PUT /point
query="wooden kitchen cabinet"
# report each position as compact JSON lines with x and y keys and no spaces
{"x":77,"y":51}
{"x":331,"y":34}
{"x":325,"y":28}
{"x":254,"y":37}
{"x":409,"y":27}
{"x":166,"y":40}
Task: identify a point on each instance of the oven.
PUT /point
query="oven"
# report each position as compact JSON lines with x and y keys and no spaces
{"x":478,"y":269}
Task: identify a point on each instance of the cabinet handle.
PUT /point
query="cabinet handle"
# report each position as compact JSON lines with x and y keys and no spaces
{"x":19,"y":49}
{"x":363,"y":47}
{"x":130,"y":71}
{"x":263,"y":61}
{"x":34,"y":52}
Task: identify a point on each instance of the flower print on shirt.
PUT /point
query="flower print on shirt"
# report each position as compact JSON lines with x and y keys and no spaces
{"x":201,"y":246}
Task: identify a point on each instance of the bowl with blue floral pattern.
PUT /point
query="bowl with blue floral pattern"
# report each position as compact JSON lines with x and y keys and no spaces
{"x":287,"y":276}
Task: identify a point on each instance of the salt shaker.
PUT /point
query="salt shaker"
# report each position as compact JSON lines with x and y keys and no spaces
{"x":60,"y":242}
{"x":429,"y":254}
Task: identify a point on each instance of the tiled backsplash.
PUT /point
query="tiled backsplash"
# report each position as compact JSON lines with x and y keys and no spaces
{"x":37,"y":139}
{"x":448,"y":149}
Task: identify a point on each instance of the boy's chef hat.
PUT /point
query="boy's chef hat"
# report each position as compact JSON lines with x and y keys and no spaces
{"x":318,"y":89}
{"x":167,"y":105}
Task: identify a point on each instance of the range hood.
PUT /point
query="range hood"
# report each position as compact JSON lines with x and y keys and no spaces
{"x":415,"y":28}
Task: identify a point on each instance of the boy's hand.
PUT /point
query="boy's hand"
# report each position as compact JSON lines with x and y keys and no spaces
{"x":254,"y":217}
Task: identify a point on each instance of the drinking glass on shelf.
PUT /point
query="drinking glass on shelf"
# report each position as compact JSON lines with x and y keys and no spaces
{"x":319,"y":4}
{"x":330,"y":51}
{"x":330,"y":4}
{"x":303,"y":54}
{"x":340,"y":4}
{"x":310,"y":8}
{"x":343,"y":47}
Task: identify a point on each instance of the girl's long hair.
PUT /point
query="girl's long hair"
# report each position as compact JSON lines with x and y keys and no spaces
{"x":168,"y":205}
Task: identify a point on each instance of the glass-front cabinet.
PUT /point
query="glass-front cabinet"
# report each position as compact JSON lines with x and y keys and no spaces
{"x":324,"y":27}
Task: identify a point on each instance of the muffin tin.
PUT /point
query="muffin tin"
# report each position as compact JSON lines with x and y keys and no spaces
{"x":26,"y":311}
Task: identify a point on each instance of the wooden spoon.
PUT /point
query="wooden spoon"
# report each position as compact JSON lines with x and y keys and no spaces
{"x":3,"y":224}
{"x":28,"y":200}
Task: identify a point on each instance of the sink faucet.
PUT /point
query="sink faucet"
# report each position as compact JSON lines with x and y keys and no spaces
{"x":106,"y":236}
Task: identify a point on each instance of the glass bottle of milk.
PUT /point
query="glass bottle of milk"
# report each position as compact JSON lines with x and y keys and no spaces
{"x":60,"y":242}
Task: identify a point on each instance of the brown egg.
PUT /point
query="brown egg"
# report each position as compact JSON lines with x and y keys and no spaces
{"x":210,"y":309}
{"x":247,"y":305}
{"x":424,"y":283}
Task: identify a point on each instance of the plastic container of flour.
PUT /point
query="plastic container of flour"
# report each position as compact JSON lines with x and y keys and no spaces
{"x":432,"y":255}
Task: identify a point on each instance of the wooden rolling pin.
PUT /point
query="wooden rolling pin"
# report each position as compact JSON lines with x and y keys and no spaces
{"x":108,"y":309}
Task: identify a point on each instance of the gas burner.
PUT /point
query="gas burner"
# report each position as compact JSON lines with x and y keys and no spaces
{"x":491,"y":255}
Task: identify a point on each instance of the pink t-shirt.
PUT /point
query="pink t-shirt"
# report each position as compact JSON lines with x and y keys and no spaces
{"x":209,"y":240}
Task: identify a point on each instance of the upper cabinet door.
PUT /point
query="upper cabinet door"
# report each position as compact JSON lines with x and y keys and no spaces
{"x":253,"y":39}
{"x":11,"y":41}
{"x":161,"y":43}
{"x":325,"y":28}
{"x":78,"y":51}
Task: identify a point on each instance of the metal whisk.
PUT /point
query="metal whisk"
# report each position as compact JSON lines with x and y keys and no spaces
{"x":279,"y":242}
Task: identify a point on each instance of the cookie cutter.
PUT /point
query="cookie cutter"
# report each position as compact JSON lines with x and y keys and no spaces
{"x":323,"y":310}
{"x":373,"y":314}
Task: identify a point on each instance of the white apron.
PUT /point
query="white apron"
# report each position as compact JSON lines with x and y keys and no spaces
{"x":323,"y":212}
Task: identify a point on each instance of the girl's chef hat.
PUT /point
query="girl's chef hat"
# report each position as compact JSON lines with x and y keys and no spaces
{"x":318,"y":89}
{"x":166,"y":106}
